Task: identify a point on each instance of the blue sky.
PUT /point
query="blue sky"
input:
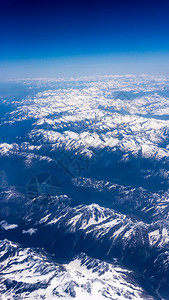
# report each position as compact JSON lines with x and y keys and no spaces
{"x":64,"y":38}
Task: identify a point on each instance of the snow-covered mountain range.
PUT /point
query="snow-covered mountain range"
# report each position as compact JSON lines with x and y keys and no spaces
{"x":84,"y":210}
{"x":29,"y":274}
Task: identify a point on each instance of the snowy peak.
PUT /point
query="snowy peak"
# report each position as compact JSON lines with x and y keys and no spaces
{"x":87,"y":216}
{"x":30,"y":274}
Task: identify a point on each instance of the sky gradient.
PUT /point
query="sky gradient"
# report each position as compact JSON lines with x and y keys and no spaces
{"x":64,"y":38}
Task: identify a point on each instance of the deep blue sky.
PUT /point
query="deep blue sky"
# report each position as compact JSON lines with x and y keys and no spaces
{"x":57,"y":38}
